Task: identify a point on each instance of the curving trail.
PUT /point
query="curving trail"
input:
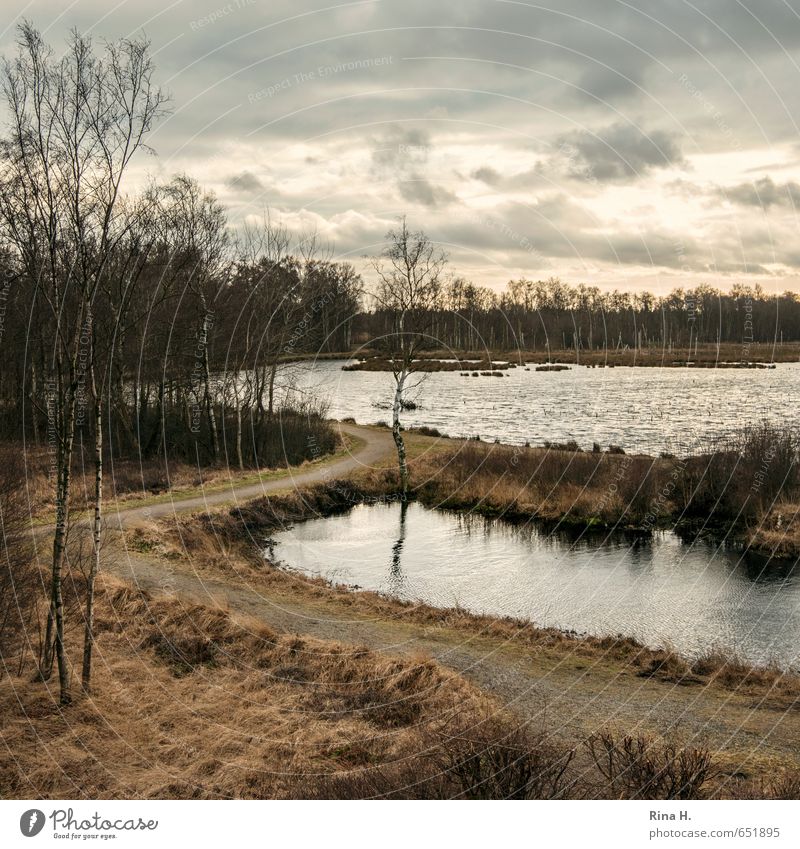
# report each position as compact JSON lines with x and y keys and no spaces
{"x":377,"y":445}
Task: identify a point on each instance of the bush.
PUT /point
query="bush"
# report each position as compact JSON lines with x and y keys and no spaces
{"x":742,"y":475}
{"x":497,"y":759}
{"x":494,"y":758}
{"x":424,"y":430}
{"x":641,"y":768}
{"x":572,"y":445}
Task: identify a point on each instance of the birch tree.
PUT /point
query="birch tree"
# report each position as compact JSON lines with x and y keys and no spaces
{"x":408,"y":288}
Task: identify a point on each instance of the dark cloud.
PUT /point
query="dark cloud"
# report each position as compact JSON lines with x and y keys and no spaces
{"x":763,"y":193}
{"x":417,"y":189}
{"x":355,"y":113}
{"x":399,"y":149}
{"x":245,"y":181}
{"x":487,"y":174}
{"x":619,"y":152}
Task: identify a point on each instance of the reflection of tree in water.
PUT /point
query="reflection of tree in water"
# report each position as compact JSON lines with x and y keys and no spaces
{"x":397,"y":579}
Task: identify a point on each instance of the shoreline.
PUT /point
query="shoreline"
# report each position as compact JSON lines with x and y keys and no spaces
{"x":757,"y":356}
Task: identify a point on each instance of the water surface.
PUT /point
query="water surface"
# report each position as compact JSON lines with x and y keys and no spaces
{"x":642,"y":409}
{"x":660,"y":590}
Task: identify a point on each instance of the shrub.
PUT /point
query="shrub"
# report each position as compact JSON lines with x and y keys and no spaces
{"x":641,"y":768}
{"x":497,"y":759}
{"x":493,"y":758}
{"x":741,"y":475}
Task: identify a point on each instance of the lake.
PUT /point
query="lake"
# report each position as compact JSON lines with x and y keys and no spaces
{"x":642,"y":409}
{"x":662,"y":591}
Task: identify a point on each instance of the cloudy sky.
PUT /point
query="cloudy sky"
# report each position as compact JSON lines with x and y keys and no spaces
{"x":651,"y":143}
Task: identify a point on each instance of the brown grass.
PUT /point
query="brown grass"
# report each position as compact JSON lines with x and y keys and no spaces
{"x":551,"y":484}
{"x":778,"y":532}
{"x":189,"y":703}
{"x":192,"y":703}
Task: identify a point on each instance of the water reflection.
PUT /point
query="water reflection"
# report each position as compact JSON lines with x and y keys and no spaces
{"x":659,"y":588}
{"x":396,"y":579}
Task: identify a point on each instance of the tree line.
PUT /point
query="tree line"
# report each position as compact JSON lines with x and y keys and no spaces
{"x":541,"y":315}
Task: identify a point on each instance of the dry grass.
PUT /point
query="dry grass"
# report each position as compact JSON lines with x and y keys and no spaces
{"x":778,"y":533}
{"x":566,"y":486}
{"x":189,"y":703}
{"x":192,"y":703}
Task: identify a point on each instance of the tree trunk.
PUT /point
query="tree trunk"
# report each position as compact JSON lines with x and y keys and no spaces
{"x":239,"y":458}
{"x":212,"y":419}
{"x":55,"y":620}
{"x":397,"y":433}
{"x":271,"y":404}
{"x":88,"y":637}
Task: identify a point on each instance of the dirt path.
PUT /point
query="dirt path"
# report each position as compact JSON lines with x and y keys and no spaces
{"x":377,"y":446}
{"x":575,"y":693}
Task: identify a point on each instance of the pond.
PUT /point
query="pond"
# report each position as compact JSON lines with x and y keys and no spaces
{"x":694,"y":597}
{"x":642,"y":409}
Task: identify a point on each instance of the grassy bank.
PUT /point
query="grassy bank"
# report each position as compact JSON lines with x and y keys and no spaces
{"x":231,"y":543}
{"x":735,"y":705}
{"x":745,"y":487}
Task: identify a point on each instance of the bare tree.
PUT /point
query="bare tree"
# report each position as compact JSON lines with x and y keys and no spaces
{"x":409,"y":286}
{"x":75,"y":124}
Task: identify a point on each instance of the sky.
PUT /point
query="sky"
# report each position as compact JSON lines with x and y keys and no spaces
{"x":646,"y":144}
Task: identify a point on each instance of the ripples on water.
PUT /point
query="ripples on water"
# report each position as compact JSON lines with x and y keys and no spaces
{"x":660,"y":590}
{"x":643,"y":409}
